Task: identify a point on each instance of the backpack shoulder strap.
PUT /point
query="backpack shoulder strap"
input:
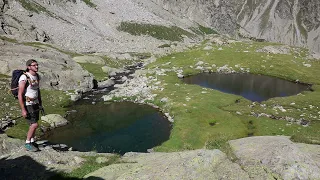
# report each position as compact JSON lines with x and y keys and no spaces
{"x":28,"y":79}
{"x":38,"y":76}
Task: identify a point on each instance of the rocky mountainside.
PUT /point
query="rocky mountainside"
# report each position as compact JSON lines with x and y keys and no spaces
{"x":293,"y":22}
{"x":95,"y":26}
{"x":85,"y":27}
{"x":218,"y":14}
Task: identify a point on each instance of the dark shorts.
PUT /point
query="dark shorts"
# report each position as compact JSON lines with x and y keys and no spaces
{"x":33,"y":113}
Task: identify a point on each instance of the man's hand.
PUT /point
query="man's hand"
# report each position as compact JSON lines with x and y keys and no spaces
{"x":24,"y":113}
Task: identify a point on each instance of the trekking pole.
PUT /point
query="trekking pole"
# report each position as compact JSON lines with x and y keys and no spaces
{"x":42,"y":111}
{"x":18,"y":117}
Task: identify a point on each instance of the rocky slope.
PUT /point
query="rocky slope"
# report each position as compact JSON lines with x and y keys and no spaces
{"x":283,"y":159}
{"x":292,"y":22}
{"x":82,"y":27}
{"x":218,"y":14}
{"x":78,"y":26}
{"x":58,"y":70}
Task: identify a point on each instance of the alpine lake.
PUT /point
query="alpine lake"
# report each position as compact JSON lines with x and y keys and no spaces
{"x":256,"y":88}
{"x":116,"y":127}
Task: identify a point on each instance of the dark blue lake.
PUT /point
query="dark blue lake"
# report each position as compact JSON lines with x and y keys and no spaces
{"x":253,"y":87}
{"x":115,"y":127}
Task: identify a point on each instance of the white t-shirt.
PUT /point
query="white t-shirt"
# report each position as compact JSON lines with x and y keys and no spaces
{"x":32,"y":89}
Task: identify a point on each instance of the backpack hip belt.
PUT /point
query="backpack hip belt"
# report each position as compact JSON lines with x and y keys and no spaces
{"x":28,"y":99}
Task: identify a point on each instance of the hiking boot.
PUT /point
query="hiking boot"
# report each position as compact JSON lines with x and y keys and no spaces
{"x":30,"y":147}
{"x":35,"y":145}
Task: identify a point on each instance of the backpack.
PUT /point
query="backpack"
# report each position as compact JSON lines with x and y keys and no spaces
{"x":15,"y":82}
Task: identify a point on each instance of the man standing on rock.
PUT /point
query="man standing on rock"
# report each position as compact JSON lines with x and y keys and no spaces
{"x":30,"y":101}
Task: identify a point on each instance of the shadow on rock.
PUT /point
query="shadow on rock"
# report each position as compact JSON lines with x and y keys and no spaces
{"x":26,"y":168}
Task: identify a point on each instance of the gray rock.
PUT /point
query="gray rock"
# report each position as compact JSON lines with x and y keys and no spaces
{"x":78,"y":160}
{"x":180,"y":76}
{"x":207,"y":48}
{"x":101,"y":160}
{"x":105,"y":84}
{"x":55,"y":120}
{"x":75,"y":97}
{"x":8,"y":145}
{"x":197,"y":164}
{"x":275,"y":49}
{"x":111,"y":71}
{"x":89,"y":59}
{"x":164,"y":100}
{"x":57,"y":70}
{"x":276,"y":156}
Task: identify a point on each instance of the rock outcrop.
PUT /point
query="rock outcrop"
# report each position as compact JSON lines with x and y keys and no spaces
{"x":197,"y":164}
{"x":57,"y":70}
{"x":55,"y":120}
{"x":262,"y":157}
{"x":218,"y":14}
{"x":291,"y":22}
{"x":257,"y":158}
{"x":276,"y":156}
{"x":81,"y":27}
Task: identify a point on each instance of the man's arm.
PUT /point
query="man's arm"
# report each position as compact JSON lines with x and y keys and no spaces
{"x":22,"y":85}
{"x":39,"y":93}
{"x":39,"y":97}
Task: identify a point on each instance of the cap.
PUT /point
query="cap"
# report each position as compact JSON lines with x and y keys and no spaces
{"x":30,"y":61}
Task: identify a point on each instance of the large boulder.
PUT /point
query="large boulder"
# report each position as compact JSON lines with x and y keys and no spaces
{"x":277,"y":157}
{"x":196,"y":164}
{"x":7,"y":144}
{"x":55,"y":120}
{"x":57,"y":70}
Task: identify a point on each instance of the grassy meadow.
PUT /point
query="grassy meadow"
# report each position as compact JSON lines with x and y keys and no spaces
{"x":208,"y":118}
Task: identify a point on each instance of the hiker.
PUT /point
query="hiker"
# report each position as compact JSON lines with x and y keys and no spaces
{"x":30,"y":101}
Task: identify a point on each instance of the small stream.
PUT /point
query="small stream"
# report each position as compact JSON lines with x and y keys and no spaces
{"x":250,"y":86}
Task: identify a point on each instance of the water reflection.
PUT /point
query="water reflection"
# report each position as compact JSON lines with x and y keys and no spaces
{"x":117,"y":127}
{"x":253,"y":87}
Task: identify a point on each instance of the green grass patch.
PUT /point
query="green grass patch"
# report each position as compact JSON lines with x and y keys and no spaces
{"x":172,"y":33}
{"x":89,"y":3}
{"x":202,"y":30}
{"x":207,"y":30}
{"x":96,"y":70}
{"x":193,"y":111}
{"x":35,"y":7}
{"x":4,"y":38}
